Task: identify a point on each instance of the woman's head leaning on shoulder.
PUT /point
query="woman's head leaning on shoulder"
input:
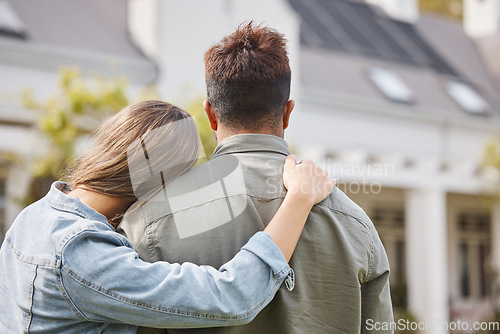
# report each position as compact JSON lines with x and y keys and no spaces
{"x":134,"y":154}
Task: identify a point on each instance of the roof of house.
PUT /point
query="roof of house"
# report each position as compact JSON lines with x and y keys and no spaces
{"x":93,"y":25}
{"x":343,"y":40}
{"x":91,"y":34}
{"x":356,"y":27}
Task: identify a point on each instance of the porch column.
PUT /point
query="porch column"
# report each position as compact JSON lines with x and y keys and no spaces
{"x":426,"y":259}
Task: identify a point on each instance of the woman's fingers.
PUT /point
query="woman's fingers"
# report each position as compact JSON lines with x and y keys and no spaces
{"x":290,"y":162}
{"x":307,"y":180}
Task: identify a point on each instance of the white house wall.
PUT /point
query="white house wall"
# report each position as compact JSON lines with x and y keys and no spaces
{"x":188,"y":28}
{"x":421,"y":146}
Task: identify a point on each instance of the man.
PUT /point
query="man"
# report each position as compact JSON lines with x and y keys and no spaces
{"x":341,"y":268}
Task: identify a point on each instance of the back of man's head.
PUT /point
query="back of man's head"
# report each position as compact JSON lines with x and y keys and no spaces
{"x":248,"y":78}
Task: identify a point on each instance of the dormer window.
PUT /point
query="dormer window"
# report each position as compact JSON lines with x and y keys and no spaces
{"x":10,"y":23}
{"x":391,"y":85}
{"x":467,"y":97}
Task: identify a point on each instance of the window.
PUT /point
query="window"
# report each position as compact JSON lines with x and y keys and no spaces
{"x":389,"y":218}
{"x":473,"y":249}
{"x":483,"y":279}
{"x":10,"y":23}
{"x":390,"y":223}
{"x":464,"y":270}
{"x":391,"y":85}
{"x":467,"y":97}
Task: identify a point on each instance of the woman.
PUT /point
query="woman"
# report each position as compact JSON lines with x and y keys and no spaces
{"x":63,"y":267}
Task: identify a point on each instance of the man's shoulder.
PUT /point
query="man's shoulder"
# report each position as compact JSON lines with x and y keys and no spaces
{"x":339,"y":204}
{"x":339,"y":230}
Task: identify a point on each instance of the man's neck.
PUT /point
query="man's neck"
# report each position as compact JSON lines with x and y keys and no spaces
{"x":224,"y":132}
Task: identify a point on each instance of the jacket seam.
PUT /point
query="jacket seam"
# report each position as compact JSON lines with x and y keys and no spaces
{"x":90,"y":227}
{"x":283,"y":272}
{"x":369,"y":231}
{"x":64,"y":243}
{"x":73,"y":306}
{"x":32,"y":291}
{"x":249,"y":150}
{"x":103,"y":328}
{"x":56,"y":204}
{"x":30,"y":260}
{"x":371,"y":259}
{"x":151,"y":244}
{"x":365,"y":225}
{"x":66,"y":208}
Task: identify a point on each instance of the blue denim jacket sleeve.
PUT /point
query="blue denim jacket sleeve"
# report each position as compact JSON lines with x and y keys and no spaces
{"x":105,"y":281}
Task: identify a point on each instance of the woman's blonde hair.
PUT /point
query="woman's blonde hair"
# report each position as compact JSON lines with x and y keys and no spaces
{"x":153,"y":140}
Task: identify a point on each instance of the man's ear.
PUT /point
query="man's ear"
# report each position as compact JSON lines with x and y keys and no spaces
{"x":286,"y":113}
{"x":211,"y":114}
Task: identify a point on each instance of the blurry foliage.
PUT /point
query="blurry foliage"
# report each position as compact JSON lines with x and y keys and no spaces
{"x":492,"y":154}
{"x":192,"y":102}
{"x":449,"y":8}
{"x":491,"y":160}
{"x":77,"y":108}
{"x":8,"y":158}
{"x":80,"y":105}
{"x":195,"y":108}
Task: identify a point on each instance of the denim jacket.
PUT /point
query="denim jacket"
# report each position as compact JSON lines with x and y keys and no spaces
{"x":64,"y":269}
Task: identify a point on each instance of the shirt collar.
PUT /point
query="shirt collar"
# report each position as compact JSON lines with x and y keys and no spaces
{"x":251,"y":142}
{"x":58,"y":199}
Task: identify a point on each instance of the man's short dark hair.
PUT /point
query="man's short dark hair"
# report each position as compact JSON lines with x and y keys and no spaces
{"x":248,"y":77}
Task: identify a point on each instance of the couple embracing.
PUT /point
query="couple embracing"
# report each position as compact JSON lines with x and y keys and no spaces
{"x":64,"y":267}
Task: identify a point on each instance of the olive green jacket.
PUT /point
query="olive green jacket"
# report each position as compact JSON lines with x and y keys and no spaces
{"x":209,"y":213}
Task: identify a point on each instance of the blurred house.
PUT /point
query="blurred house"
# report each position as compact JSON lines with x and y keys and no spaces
{"x":400,"y":106}
{"x":35,"y":40}
{"x":397,"y":104}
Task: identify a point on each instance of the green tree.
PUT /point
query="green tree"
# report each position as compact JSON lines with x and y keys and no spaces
{"x":449,"y":8}
{"x":74,"y":111}
{"x":492,"y":154}
{"x":491,"y":160}
{"x":77,"y":108}
{"x":195,"y":108}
